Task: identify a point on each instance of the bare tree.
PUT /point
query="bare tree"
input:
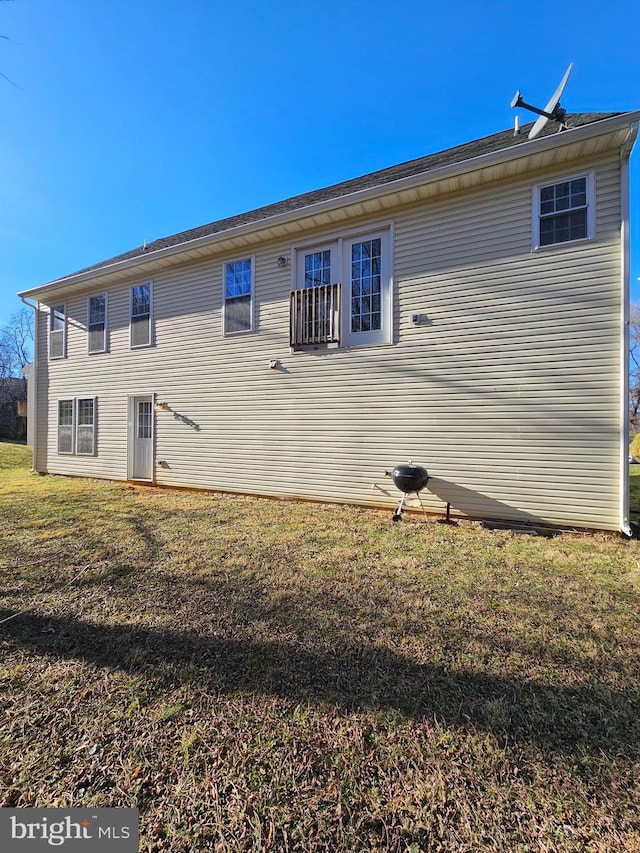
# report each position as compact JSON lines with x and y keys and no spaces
{"x":16,"y":343}
{"x":16,"y":346}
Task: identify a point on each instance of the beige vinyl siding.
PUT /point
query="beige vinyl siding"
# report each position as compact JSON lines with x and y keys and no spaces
{"x":508,"y":392}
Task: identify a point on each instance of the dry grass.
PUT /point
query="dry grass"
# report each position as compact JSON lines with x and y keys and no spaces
{"x":256,"y":675}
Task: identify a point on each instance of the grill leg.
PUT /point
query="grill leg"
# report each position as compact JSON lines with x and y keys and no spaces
{"x":397,"y":516}
{"x":422,"y":505}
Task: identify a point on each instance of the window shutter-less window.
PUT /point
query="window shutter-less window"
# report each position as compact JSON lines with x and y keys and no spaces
{"x":141,"y":315}
{"x":97,"y":323}
{"x":57,"y":330}
{"x":238,"y":294}
{"x":85,"y":426}
{"x":65,"y":426}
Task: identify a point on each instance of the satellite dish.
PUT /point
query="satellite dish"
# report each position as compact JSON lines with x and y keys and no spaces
{"x":553,"y":110}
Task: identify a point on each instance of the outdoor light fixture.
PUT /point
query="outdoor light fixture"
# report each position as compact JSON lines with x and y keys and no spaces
{"x":282,"y":261}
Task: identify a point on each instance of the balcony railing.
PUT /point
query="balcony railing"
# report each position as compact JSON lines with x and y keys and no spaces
{"x":315,"y":315}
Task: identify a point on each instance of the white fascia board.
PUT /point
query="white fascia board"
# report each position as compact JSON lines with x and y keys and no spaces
{"x":504,"y":155}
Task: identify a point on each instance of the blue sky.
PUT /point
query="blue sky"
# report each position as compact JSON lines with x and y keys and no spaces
{"x":133,"y":119}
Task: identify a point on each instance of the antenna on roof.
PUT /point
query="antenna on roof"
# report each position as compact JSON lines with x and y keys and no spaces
{"x":553,"y":110}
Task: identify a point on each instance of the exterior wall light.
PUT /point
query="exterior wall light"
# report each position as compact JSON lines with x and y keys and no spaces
{"x":282,"y":261}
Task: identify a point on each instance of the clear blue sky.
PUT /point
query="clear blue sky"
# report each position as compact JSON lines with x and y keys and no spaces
{"x":135,"y":119}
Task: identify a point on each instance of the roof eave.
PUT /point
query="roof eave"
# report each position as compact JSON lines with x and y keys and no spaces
{"x":493,"y":158}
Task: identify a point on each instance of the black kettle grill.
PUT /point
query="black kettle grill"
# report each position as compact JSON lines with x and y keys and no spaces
{"x":410,"y":479}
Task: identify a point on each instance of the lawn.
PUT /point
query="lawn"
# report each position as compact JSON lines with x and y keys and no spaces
{"x":257,"y":675}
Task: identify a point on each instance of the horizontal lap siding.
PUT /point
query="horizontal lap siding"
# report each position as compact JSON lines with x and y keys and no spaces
{"x":508,"y":392}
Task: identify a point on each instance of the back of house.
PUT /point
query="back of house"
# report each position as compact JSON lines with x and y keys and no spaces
{"x":467,"y":311}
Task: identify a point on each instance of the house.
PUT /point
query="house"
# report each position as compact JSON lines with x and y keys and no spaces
{"x":467,"y":310}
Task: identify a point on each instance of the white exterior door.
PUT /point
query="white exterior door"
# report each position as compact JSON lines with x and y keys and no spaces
{"x":141,"y":437}
{"x":366,"y":282}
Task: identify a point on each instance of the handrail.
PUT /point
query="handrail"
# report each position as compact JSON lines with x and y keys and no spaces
{"x":315,"y":315}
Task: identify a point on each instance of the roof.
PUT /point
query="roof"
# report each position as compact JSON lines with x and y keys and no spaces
{"x":497,"y":142}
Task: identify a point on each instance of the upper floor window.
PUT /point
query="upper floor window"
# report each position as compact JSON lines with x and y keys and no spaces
{"x":141,"y":315}
{"x":57,"y":331}
{"x":97,"y":323}
{"x":342,"y":291}
{"x":563,"y":211}
{"x":238,"y":296}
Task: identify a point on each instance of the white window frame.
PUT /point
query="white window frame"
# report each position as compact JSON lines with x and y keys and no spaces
{"x":536,"y":215}
{"x":340,"y":244}
{"x":94,"y":401}
{"x":75,"y":404}
{"x":72,"y":425}
{"x":52,"y":310}
{"x":227,"y":332}
{"x":104,"y":331}
{"x":149,"y":342}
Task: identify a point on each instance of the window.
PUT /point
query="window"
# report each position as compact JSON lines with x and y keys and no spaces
{"x":238,"y":296}
{"x":77,"y":426}
{"x":97,"y":323}
{"x":342,"y":291}
{"x":366,"y":286}
{"x":65,"y":426}
{"x":315,"y":305}
{"x":145,"y":419}
{"x":85,"y":427}
{"x":563,"y":211}
{"x":141,"y":315}
{"x":57,"y":331}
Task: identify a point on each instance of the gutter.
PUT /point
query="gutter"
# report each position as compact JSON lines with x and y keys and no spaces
{"x":34,"y":378}
{"x":625,"y":294}
{"x":514,"y":152}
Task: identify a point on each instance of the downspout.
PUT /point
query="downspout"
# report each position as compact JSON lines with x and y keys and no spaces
{"x":34,"y":379}
{"x":625,"y":153}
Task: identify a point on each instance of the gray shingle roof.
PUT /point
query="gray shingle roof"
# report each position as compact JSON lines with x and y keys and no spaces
{"x":460,"y":153}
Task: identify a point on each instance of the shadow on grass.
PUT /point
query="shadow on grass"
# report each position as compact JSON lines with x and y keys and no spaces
{"x":558,"y":719}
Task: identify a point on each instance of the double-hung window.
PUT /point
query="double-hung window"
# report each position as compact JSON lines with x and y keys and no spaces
{"x":342,"y":291}
{"x":77,"y":426}
{"x":237,"y":311}
{"x":65,"y":426}
{"x":563,"y":211}
{"x":141,"y":315}
{"x":86,"y":426}
{"x":57,"y":331}
{"x":97,"y":323}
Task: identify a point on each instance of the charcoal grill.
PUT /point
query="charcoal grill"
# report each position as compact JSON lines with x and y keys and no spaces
{"x":410,"y":479}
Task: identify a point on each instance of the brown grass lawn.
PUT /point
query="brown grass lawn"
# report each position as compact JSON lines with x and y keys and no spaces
{"x":256,"y":675}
